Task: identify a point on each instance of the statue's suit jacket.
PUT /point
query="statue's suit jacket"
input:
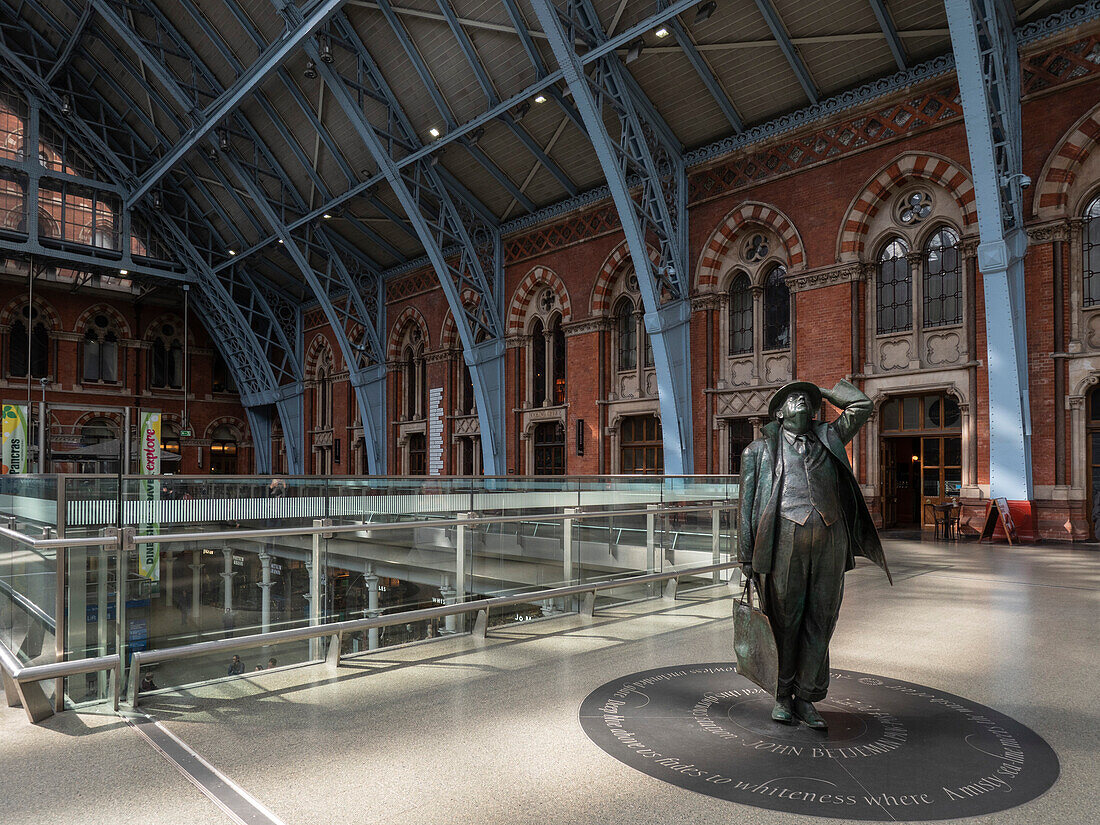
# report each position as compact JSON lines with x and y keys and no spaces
{"x":762,"y":483}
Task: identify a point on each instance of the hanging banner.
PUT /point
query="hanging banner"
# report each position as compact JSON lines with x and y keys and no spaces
{"x":15,"y":439}
{"x":149,"y":459}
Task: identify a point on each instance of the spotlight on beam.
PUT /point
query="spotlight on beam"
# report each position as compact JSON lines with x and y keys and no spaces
{"x":703,"y":13}
{"x":635,"y":50}
{"x":66,"y":105}
{"x":476,"y":135}
{"x":223,"y":140}
{"x":520,"y":112}
{"x":311,"y":70}
{"x":325,"y":48}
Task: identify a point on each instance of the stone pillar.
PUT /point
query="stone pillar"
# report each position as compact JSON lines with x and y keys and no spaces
{"x":265,"y":591}
{"x":169,"y":578}
{"x":196,"y":582}
{"x":227,"y":579}
{"x":448,"y":593}
{"x":548,"y":368}
{"x":373,"y":640}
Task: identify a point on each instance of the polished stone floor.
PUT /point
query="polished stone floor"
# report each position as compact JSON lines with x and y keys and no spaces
{"x":461,"y":731}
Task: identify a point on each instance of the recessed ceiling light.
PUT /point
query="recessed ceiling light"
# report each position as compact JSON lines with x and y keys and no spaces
{"x":280,"y":240}
{"x":123,"y":272}
{"x":326,"y":216}
{"x":232,"y":251}
{"x":540,"y":99}
{"x":661,"y":32}
{"x":433,"y":132}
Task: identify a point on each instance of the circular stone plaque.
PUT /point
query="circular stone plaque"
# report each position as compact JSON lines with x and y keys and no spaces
{"x":894,"y":750}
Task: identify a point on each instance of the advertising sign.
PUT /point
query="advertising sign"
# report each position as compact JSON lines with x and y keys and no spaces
{"x":149,"y":459}
{"x":15,"y":439}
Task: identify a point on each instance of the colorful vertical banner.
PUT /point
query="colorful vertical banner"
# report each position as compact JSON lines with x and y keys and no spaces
{"x":149,"y":458}
{"x":15,"y":451}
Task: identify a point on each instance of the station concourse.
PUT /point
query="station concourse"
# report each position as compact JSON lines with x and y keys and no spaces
{"x":376,"y":378}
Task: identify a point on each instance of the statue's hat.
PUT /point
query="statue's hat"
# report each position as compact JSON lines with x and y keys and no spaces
{"x":808,"y":387}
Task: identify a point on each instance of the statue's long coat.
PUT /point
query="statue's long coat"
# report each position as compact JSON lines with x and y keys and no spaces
{"x":761,"y":481}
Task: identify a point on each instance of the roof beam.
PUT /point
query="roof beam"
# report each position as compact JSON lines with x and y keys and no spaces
{"x":702,"y":68}
{"x":241,"y":88}
{"x":779,"y":32}
{"x":492,"y":97}
{"x":890,"y":31}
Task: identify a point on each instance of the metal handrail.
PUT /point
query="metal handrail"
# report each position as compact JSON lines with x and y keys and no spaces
{"x":336,"y":630}
{"x":44,"y":618}
{"x":577,"y":515}
{"x":21,"y":682}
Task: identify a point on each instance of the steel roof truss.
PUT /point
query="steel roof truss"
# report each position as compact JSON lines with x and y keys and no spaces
{"x":890,"y":31}
{"x":642,"y":157}
{"x":779,"y":32}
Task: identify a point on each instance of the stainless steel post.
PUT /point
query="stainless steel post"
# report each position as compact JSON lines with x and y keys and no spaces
{"x":716,"y":541}
{"x":314,"y":566}
{"x":373,"y":640}
{"x":567,"y":556}
{"x":265,"y":591}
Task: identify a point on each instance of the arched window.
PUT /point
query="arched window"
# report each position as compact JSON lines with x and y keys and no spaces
{"x":222,"y":376}
{"x":942,"y":279}
{"x":324,"y":396}
{"x":39,"y":346}
{"x":166,"y":359}
{"x":223,"y":451}
{"x":410,"y":383}
{"x":740,"y":315}
{"x":777,"y":310}
{"x":894,"y":294}
{"x":101,"y":351}
{"x":538,"y":363}
{"x":627,"y":335}
{"x":1090,"y":241}
{"x":170,"y":437}
{"x":557,"y":341}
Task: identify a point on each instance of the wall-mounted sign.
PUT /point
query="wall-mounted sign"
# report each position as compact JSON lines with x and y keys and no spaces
{"x":15,"y":439}
{"x":149,"y":491}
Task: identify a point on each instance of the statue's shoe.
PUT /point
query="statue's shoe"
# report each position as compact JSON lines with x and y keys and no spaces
{"x":809,"y":716}
{"x":782,"y":711}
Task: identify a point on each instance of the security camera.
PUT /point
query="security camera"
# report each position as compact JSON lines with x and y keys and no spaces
{"x":1024,"y":180}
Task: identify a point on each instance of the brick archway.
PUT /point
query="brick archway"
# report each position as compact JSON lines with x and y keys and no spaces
{"x":713,"y":258}
{"x":409,"y":315}
{"x":103,"y":309}
{"x":319,"y":348}
{"x":888,"y":181}
{"x":533,"y":281}
{"x":45,"y":309}
{"x":1062,"y":168}
{"x":600,"y":302}
{"x":448,"y":335}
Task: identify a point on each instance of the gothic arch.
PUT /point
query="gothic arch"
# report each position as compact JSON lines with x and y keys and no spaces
{"x":600,"y":302}
{"x":448,"y":335}
{"x":234,"y":424}
{"x":45,"y":310}
{"x":103,"y":309}
{"x":1062,"y":170}
{"x":716,"y":251}
{"x":152,"y":329}
{"x":409,"y":315}
{"x":531,"y":285}
{"x":891,"y":178}
{"x":320,"y":348}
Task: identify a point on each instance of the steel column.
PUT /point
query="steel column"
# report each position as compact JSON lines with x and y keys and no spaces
{"x":988,"y":68}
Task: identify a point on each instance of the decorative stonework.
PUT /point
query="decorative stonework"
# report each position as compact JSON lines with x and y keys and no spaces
{"x":719,"y":247}
{"x":827,"y":276}
{"x":742,"y":373}
{"x":1063,"y":165}
{"x":605,"y":280}
{"x":1047,"y":233}
{"x":465,"y":425}
{"x":943,"y":348}
{"x":1092,"y":334}
{"x":894,"y":354}
{"x":746,"y":402}
{"x":538,"y":278}
{"x":777,"y":368}
{"x":586,"y":326}
{"x":907,"y":168}
{"x":409,"y":315}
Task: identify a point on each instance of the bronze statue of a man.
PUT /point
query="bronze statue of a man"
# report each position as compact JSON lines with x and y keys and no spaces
{"x":802,"y":521}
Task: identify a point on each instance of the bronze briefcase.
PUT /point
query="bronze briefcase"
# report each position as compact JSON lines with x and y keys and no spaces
{"x":754,"y":641}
